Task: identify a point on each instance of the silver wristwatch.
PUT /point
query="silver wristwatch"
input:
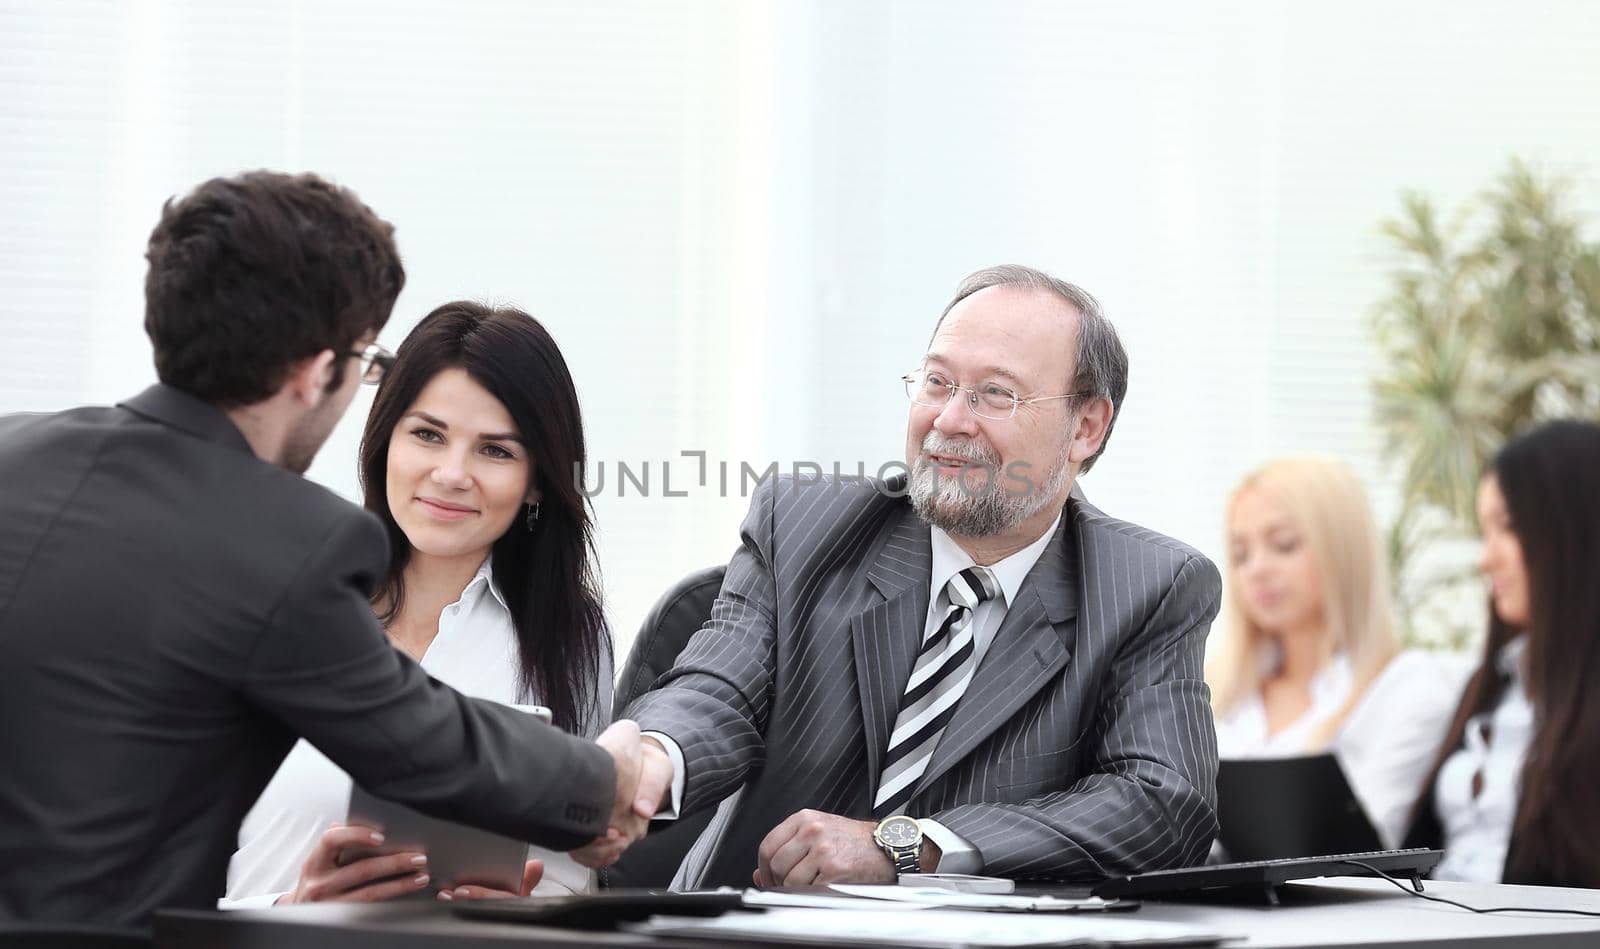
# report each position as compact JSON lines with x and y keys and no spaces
{"x":901,"y":838}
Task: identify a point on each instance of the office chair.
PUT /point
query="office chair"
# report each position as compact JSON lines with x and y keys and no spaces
{"x":679,"y":613}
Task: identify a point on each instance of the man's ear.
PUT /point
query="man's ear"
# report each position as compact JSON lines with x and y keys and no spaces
{"x":308,"y":379}
{"x":1089,"y":431}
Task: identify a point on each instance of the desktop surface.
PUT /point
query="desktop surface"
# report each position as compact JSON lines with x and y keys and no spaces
{"x":1330,"y":912}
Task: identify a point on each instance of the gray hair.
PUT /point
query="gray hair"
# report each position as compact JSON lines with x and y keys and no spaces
{"x":1101,"y":362}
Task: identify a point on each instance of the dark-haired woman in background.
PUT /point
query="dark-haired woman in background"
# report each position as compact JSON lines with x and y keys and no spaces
{"x":1515,"y":793}
{"x":467,"y":458}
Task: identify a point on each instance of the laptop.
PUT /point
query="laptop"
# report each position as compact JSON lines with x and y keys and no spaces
{"x":1265,"y":876}
{"x":1275,"y":808}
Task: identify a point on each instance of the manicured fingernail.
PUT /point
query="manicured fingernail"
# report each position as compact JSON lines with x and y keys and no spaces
{"x":420,"y":860}
{"x":375,"y":837}
{"x":421,"y":880}
{"x":463,"y":892}
{"x":445,"y":895}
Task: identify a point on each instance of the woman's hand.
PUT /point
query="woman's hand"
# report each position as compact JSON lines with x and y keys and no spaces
{"x":532,"y":873}
{"x":368,"y":878}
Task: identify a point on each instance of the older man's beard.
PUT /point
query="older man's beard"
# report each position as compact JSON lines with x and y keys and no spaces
{"x":982,"y":500}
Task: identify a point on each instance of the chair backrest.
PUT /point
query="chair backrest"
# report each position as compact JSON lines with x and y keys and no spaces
{"x":678,"y":615}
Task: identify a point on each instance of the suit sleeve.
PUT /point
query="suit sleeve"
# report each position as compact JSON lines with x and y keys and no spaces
{"x":324,"y":667}
{"x":714,"y":701}
{"x":1147,"y":799}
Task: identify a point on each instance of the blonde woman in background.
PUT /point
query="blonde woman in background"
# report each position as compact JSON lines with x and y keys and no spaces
{"x":1308,"y":660}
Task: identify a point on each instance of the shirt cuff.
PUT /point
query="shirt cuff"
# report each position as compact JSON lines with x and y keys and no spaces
{"x":675,"y":754}
{"x":955,"y":854}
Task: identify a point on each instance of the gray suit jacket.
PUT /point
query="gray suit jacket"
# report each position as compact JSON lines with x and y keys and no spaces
{"x":173,"y":613}
{"x":1084,"y":746}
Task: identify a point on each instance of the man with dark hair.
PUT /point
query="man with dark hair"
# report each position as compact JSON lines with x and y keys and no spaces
{"x":227,"y":336}
{"x":177,"y":605}
{"x":970,"y":671}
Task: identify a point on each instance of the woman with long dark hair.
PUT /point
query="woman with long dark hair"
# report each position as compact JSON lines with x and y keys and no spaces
{"x":1514,"y":795}
{"x":468,"y":459}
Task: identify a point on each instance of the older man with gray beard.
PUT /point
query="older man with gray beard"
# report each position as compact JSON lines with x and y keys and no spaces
{"x":990,"y":677}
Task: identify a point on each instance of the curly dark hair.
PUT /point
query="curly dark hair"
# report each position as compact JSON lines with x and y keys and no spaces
{"x":250,"y":274}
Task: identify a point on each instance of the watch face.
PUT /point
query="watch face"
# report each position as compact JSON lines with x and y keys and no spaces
{"x":899,"y":832}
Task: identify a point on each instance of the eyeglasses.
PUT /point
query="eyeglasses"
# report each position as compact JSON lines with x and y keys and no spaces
{"x":375,"y":361}
{"x":989,"y":400}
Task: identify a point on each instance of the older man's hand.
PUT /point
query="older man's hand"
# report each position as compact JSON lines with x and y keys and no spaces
{"x":812,"y":848}
{"x":644,"y":776}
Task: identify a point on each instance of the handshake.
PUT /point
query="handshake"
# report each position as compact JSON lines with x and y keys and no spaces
{"x":644,"y":780}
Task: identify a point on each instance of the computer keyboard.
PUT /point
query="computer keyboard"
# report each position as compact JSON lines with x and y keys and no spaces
{"x":1267,"y":875}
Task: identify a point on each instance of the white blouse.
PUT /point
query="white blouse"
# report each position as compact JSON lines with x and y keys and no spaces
{"x":1477,"y":830}
{"x":1386,"y":743}
{"x":475,"y":652}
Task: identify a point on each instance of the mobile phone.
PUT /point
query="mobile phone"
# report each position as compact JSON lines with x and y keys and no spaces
{"x":958,"y":882}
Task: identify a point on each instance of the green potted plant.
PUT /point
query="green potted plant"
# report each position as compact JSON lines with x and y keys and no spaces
{"x":1491,"y":323}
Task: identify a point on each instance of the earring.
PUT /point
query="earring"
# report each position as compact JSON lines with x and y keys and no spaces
{"x":533,"y":515}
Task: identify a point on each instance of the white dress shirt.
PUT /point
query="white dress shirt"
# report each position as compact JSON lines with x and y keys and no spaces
{"x":474,"y":652}
{"x":956,"y":854}
{"x":1477,"y":830}
{"x":1386,"y":743}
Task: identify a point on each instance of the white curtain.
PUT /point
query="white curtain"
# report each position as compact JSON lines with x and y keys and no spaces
{"x":740,"y":218}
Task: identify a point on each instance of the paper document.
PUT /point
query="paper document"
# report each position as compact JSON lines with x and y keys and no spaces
{"x":770,"y":898}
{"x":938,"y":928}
{"x":986,"y":901}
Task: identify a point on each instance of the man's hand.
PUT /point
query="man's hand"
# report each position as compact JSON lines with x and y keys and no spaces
{"x":655,"y":779}
{"x":644,"y":776}
{"x":812,"y":848}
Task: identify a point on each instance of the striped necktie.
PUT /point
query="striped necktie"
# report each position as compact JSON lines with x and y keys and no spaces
{"x":940,"y":674}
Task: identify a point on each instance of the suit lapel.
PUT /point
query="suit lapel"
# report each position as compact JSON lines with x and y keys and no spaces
{"x":1029,"y":649}
{"x":886,"y":635}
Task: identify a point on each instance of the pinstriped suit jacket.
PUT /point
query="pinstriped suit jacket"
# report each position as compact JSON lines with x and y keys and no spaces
{"x":1083,"y":747}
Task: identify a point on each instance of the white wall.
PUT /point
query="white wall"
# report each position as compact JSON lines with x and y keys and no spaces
{"x":740,"y":218}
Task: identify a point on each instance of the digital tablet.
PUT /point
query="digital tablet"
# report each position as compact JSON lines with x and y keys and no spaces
{"x":457,"y":854}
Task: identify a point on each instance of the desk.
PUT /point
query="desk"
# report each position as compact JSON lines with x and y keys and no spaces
{"x":1336,"y":912}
